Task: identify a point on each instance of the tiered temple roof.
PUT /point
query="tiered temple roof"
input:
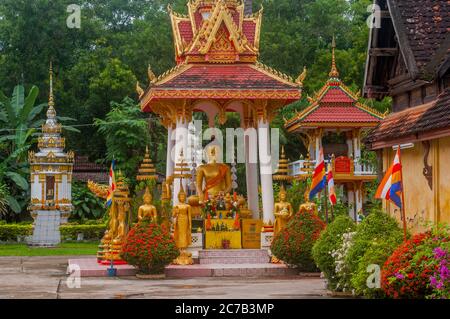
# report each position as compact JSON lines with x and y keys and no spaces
{"x":216,"y":51}
{"x":335,"y":105}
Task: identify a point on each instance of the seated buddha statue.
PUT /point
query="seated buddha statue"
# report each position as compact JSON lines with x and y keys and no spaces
{"x":283,"y":212}
{"x":147,"y":211}
{"x":212,"y":178}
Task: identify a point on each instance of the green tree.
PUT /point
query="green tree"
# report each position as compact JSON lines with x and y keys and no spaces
{"x":126,"y":132}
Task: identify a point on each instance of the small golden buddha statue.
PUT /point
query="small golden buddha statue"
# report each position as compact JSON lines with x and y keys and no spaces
{"x":182,"y":214}
{"x":216,"y":177}
{"x":283,"y":212}
{"x":123,"y":208}
{"x":147,"y":210}
{"x":308,"y":206}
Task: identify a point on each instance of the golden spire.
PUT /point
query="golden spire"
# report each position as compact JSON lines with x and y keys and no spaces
{"x":282,"y":172}
{"x":147,"y":170}
{"x":51,"y":113}
{"x":334,"y":73}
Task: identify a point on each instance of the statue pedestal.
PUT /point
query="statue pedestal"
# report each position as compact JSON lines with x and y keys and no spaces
{"x":46,"y":229}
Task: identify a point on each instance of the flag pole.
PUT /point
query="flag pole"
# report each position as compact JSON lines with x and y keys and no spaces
{"x":403,"y":196}
{"x":326,"y":204}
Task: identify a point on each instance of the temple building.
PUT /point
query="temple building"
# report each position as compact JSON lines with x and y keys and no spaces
{"x":51,"y":180}
{"x":409,"y":60}
{"x":335,"y":111}
{"x":217,"y":71}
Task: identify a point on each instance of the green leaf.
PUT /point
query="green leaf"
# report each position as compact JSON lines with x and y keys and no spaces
{"x":29,"y":104}
{"x":71,"y":129}
{"x":18,"y":179}
{"x":17,"y":100}
{"x":13,"y":204}
{"x":35,"y":111}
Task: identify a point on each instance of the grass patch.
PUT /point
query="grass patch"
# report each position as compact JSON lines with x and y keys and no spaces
{"x":64,"y":249}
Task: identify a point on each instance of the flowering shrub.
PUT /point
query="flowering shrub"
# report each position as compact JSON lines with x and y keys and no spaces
{"x":440,"y":281}
{"x":342,"y":270}
{"x":149,"y":247}
{"x":376,"y":226}
{"x":293,"y":245}
{"x":419,"y":267}
{"x":403,"y":278}
{"x":331,"y":240}
{"x":377,"y":254}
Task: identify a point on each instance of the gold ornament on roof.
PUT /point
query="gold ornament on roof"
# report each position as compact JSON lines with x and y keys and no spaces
{"x":151,"y":75}
{"x":334,"y":73}
{"x":301,"y":78}
{"x":140,"y":91}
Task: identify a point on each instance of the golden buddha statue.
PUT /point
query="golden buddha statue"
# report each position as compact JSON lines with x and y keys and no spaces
{"x":215,"y":176}
{"x":147,"y":210}
{"x":182,"y":214}
{"x":308,"y":206}
{"x":283,"y":212}
{"x":123,"y":208}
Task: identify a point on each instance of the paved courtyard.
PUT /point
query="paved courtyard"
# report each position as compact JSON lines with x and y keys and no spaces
{"x":45,"y":277}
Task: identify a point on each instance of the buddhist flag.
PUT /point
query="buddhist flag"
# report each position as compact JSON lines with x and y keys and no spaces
{"x":331,"y":191}
{"x":112,"y":184}
{"x":390,"y":187}
{"x":319,"y":177}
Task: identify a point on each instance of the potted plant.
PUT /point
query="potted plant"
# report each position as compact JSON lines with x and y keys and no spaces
{"x":150,"y":248}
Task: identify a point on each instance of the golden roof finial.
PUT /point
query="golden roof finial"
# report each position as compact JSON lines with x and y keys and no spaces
{"x":139,"y":90}
{"x":151,"y":75}
{"x":302,"y":77}
{"x":334,"y":71}
{"x":51,"y":113}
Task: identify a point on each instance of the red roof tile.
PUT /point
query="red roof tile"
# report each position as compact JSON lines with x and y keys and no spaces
{"x":339,"y":114}
{"x":234,"y":76}
{"x":336,"y":95}
{"x":420,"y":119}
{"x":186,"y":31}
{"x":249,"y":29}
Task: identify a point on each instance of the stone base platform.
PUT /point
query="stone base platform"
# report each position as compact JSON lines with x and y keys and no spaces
{"x":234,"y":256}
{"x":227,"y":270}
{"x":211,"y":263}
{"x":88,"y":267}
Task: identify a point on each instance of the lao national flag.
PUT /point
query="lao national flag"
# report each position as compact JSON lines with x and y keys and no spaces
{"x":331,"y":191}
{"x":112,"y":184}
{"x":319,"y":177}
{"x":390,"y":187}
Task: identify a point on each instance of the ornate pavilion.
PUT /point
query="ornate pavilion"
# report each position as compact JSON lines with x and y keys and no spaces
{"x":217,"y":71}
{"x":335,"y":110}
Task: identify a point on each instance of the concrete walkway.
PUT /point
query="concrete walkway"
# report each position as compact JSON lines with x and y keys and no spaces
{"x":45,"y":277}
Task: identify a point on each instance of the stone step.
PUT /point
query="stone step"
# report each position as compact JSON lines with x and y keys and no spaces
{"x":226,"y":270}
{"x":233,"y":253}
{"x":235,"y":260}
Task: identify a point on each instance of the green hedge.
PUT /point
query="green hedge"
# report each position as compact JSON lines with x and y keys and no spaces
{"x":9,"y":232}
{"x":91,"y":232}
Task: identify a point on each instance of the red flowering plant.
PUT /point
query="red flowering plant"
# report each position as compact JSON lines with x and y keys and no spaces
{"x":294,"y":244}
{"x":149,"y":247}
{"x":409,"y":271}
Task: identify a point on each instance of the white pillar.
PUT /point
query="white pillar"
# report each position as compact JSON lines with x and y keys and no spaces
{"x":181,"y":143}
{"x":169,"y":159}
{"x":350,"y":146}
{"x":251,"y":172}
{"x":356,"y":150}
{"x":359,"y":200}
{"x":351,"y":203}
{"x":316,"y":156}
{"x":265,"y":165}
